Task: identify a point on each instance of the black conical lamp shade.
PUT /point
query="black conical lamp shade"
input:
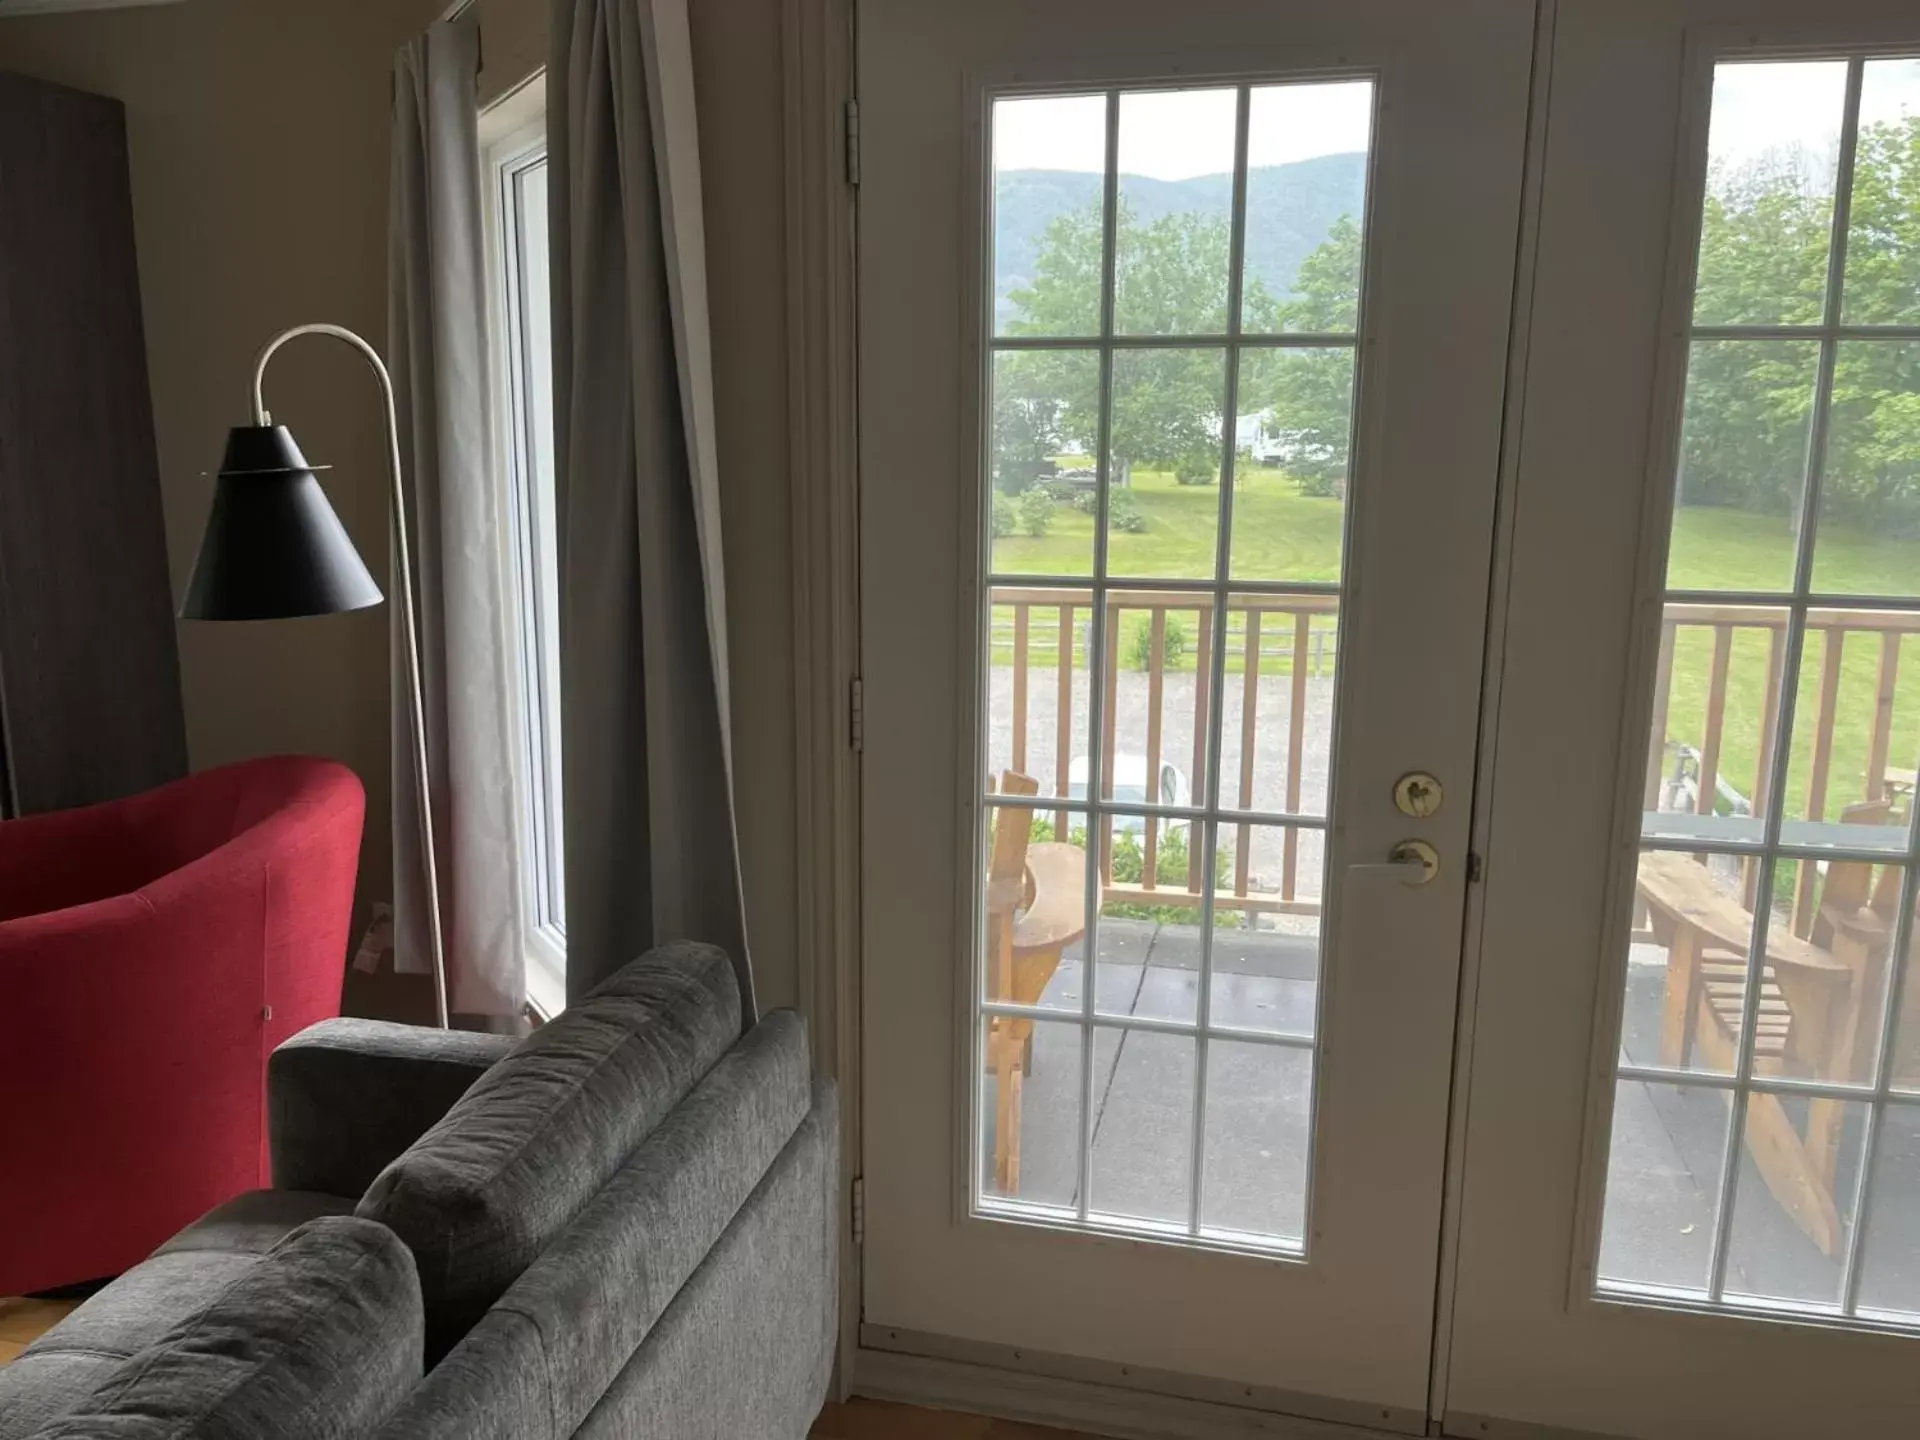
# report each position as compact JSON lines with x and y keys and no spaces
{"x":274,"y":548}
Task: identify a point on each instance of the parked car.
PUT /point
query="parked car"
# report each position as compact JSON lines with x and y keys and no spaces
{"x":1130,"y":788}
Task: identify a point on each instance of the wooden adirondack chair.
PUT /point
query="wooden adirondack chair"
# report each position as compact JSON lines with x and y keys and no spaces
{"x":1816,"y":1016}
{"x":1036,"y":907}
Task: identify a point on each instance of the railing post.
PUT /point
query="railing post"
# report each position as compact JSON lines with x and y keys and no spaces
{"x":1021,"y":614}
{"x":1156,"y":695}
{"x":1662,"y":695}
{"x":1296,"y":751}
{"x":1249,"y":735}
{"x":1202,"y":724}
{"x":1882,"y":742}
{"x":1110,"y":728}
{"x":1835,"y":647}
{"x":1063,"y":723}
{"x":1703,"y":802}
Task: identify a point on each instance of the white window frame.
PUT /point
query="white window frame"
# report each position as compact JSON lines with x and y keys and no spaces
{"x":513,"y":140}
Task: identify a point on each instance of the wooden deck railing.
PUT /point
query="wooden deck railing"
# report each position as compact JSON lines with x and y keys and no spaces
{"x":1271,"y":640}
{"x":1828,"y":632}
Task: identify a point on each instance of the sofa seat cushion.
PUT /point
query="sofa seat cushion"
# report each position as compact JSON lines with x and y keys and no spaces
{"x":63,"y":1367}
{"x":484,"y":1191}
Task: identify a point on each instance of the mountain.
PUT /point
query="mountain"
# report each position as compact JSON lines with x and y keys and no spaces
{"x":1289,"y":211}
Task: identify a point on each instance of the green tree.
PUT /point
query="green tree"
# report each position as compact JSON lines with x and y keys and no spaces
{"x":1764,"y":248}
{"x":1170,"y":278}
{"x":1305,"y":394}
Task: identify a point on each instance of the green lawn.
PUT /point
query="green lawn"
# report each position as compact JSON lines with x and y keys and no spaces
{"x":1280,"y":534}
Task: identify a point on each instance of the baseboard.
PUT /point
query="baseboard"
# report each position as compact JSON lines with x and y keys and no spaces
{"x":1080,"y":1404}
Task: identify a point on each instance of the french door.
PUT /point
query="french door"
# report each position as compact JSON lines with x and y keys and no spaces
{"x":1182,"y":352}
{"x":1388,"y":542}
{"x":1688,"y":1155}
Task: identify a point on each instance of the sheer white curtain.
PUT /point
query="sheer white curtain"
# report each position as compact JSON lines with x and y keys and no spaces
{"x":436,"y":348}
{"x":652,"y":854}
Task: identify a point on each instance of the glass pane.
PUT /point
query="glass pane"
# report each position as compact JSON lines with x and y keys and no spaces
{"x":1306,"y":206}
{"x":1715,"y":722}
{"x":1890,"y":1251}
{"x":1293,"y":462}
{"x":1030,"y":1111}
{"x":1266,"y":928}
{"x":1176,"y":207}
{"x":1856,"y":736}
{"x":1049,"y":194}
{"x":1687,"y":965}
{"x":1046,"y":416}
{"x":1258,"y":1117}
{"x":1883,"y":243}
{"x":1743,"y":464}
{"x":1148,"y":946}
{"x":1277,"y":711}
{"x":1772,"y":154}
{"x":1905,"y":1061}
{"x":1870,"y":484}
{"x":1799,"y":1169}
{"x":1159,"y":663}
{"x":1663,"y":1186}
{"x":1143,"y":1127}
{"x":1035,"y":918}
{"x":1163,"y":504}
{"x":1037,"y":684}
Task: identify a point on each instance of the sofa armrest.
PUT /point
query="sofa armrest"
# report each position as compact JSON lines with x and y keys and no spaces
{"x":345,"y":1097}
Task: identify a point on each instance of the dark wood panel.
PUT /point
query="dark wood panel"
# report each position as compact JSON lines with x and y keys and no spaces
{"x":89,"y":673}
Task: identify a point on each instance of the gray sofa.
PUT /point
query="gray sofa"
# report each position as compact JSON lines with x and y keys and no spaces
{"x":622,"y":1226}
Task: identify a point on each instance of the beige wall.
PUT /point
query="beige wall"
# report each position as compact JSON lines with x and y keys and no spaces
{"x":258,"y":132}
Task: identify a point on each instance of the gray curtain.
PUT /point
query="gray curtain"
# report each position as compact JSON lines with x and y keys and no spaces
{"x":652,"y":854}
{"x":436,"y":348}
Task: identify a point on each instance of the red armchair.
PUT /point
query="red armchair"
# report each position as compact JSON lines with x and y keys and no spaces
{"x":153,"y":951}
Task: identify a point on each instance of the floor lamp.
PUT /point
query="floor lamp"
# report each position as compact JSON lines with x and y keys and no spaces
{"x":274,"y":549}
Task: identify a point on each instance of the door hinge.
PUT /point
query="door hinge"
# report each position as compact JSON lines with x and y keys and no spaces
{"x":1475,"y":868}
{"x":857,"y":715}
{"x":859,"y":1210}
{"x":853,"y":142}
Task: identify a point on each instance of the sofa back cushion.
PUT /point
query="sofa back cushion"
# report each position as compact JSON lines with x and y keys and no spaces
{"x":179,"y":1280}
{"x":484,"y":1191}
{"x":320,"y":1340}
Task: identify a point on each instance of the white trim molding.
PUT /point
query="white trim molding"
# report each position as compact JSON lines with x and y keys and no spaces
{"x":821,"y":403}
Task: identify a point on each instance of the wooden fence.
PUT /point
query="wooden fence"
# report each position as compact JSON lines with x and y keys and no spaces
{"x":1829,"y":630}
{"x":1271,"y":639}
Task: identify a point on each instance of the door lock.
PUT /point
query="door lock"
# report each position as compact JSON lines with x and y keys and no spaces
{"x":1418,"y":795}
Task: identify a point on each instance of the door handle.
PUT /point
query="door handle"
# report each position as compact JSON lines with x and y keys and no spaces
{"x":1412,"y":862}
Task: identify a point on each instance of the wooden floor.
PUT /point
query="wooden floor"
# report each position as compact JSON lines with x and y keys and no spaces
{"x":22,"y":1321}
{"x":878,"y":1420}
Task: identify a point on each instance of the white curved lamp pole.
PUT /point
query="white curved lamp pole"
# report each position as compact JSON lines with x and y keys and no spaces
{"x":416,"y":697}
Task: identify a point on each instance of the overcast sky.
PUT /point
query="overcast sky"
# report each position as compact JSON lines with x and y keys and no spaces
{"x":1177,"y":134}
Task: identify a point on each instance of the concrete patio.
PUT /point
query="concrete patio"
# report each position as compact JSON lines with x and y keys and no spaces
{"x":1667,"y":1151}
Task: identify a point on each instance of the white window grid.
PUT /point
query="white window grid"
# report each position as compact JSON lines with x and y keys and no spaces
{"x":1770,"y":847}
{"x":1208,"y":817}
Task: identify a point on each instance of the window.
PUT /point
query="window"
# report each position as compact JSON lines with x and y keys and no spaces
{"x":516,"y":172}
{"x":1173,"y":339}
{"x":1770,"y":1039}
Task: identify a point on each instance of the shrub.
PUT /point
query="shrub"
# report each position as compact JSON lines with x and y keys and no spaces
{"x":1003,"y":522}
{"x":1035,"y":511}
{"x":1123,"y":510}
{"x":1139,"y":649}
{"x":1123,"y":513}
